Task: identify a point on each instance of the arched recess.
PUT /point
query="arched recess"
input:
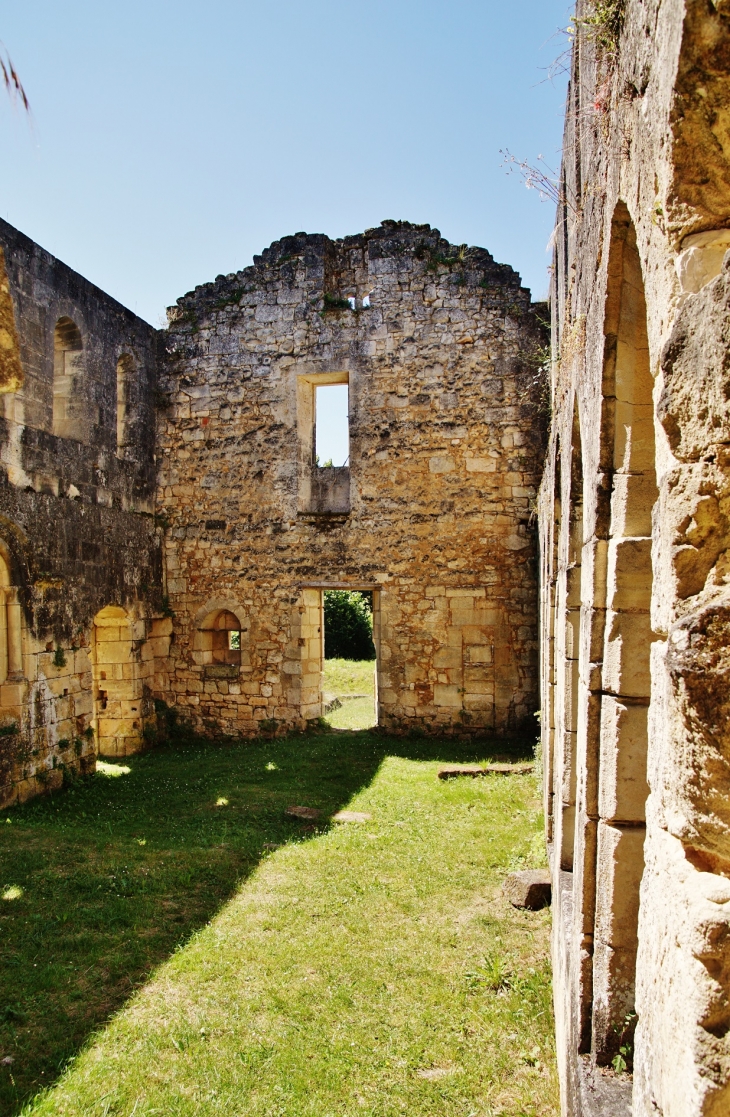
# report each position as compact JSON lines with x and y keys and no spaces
{"x":125,"y":374}
{"x":220,"y":643}
{"x":118,"y":690}
{"x":567,"y":644}
{"x":68,"y":380}
{"x":11,"y":623}
{"x":627,"y":493}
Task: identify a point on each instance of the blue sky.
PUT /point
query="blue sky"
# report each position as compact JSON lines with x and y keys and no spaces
{"x":170,"y":142}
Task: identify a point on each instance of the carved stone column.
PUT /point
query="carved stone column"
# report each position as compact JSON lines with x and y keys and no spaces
{"x":15,"y":644}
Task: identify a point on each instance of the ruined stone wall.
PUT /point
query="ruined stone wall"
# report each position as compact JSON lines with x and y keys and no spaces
{"x":633,"y":513}
{"x":440,"y":347}
{"x":77,"y":532}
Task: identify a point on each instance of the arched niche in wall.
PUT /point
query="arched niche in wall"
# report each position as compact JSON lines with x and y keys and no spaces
{"x":125,"y":377}
{"x":627,"y":493}
{"x":69,"y":405}
{"x":11,"y":624}
{"x":220,"y":643}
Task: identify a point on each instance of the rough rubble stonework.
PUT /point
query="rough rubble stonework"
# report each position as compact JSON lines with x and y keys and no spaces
{"x":77,"y":530}
{"x":433,"y":512}
{"x":115,"y":593}
{"x":635,"y":605}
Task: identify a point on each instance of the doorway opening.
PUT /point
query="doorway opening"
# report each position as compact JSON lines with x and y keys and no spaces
{"x":349,"y":676}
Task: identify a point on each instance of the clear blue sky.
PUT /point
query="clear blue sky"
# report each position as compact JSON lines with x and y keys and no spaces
{"x":172,"y":141}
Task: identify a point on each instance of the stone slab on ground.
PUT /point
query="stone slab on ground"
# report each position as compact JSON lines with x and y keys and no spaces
{"x":451,"y":771}
{"x":303,"y":812}
{"x":601,"y":1092}
{"x":351,"y":816}
{"x":530,"y":888}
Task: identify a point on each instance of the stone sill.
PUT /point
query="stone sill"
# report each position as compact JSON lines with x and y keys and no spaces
{"x":221,"y":671}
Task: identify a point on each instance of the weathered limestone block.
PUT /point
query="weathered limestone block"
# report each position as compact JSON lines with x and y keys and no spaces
{"x":529,"y":888}
{"x":634,"y":519}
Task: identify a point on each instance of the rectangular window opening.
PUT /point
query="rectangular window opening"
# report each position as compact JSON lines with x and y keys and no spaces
{"x":332,"y":425}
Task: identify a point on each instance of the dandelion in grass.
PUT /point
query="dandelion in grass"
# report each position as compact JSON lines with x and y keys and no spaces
{"x":13,"y":892}
{"x":271,"y":767}
{"x":221,"y":802}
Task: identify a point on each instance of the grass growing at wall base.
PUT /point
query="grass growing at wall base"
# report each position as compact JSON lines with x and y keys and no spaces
{"x":360,"y":968}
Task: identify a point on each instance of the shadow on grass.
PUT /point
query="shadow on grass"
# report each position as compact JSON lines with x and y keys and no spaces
{"x":102,"y":881}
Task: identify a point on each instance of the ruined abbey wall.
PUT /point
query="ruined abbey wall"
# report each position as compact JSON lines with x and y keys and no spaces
{"x":165,"y":533}
{"x":80,"y":558}
{"x":635,"y":606}
{"x":440,"y":347}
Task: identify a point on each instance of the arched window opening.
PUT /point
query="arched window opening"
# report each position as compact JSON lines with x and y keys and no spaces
{"x":68,"y":377}
{"x":221,"y":639}
{"x":627,"y":493}
{"x":125,"y":372}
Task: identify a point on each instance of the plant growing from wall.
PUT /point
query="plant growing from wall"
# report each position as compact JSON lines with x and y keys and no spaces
{"x":333,"y":302}
{"x":624,"y":1060}
{"x":603,"y":22}
{"x":59,"y":659}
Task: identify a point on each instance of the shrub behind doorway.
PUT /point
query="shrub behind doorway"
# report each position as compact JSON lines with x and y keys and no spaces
{"x":348,"y":625}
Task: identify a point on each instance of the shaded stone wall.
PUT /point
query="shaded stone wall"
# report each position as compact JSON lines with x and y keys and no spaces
{"x":77,"y":531}
{"x":440,"y":347}
{"x":634,"y":545}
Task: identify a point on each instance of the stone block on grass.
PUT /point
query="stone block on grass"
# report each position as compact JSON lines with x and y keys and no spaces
{"x":530,"y":888}
{"x":307,"y":813}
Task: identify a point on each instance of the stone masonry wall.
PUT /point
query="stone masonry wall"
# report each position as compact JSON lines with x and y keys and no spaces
{"x":77,"y":531}
{"x":634,"y":565}
{"x":440,"y":347}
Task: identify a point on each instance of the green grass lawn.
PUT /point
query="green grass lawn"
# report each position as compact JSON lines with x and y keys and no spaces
{"x":158,"y":954}
{"x":344,"y":678}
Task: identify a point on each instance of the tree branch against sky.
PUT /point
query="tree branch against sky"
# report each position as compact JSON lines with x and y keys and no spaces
{"x":12,"y":82}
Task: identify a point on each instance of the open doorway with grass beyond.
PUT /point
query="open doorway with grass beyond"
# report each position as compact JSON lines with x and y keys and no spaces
{"x":349,"y":683}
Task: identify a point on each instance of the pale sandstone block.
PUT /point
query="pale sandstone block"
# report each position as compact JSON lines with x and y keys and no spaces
{"x":446,"y":695}
{"x":623,"y":757}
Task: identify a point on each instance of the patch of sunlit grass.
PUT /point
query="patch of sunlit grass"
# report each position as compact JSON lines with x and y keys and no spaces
{"x":349,"y":676}
{"x":13,"y":892}
{"x":105,"y":769}
{"x":354,"y":713}
{"x":370,"y":970}
{"x":221,"y":802}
